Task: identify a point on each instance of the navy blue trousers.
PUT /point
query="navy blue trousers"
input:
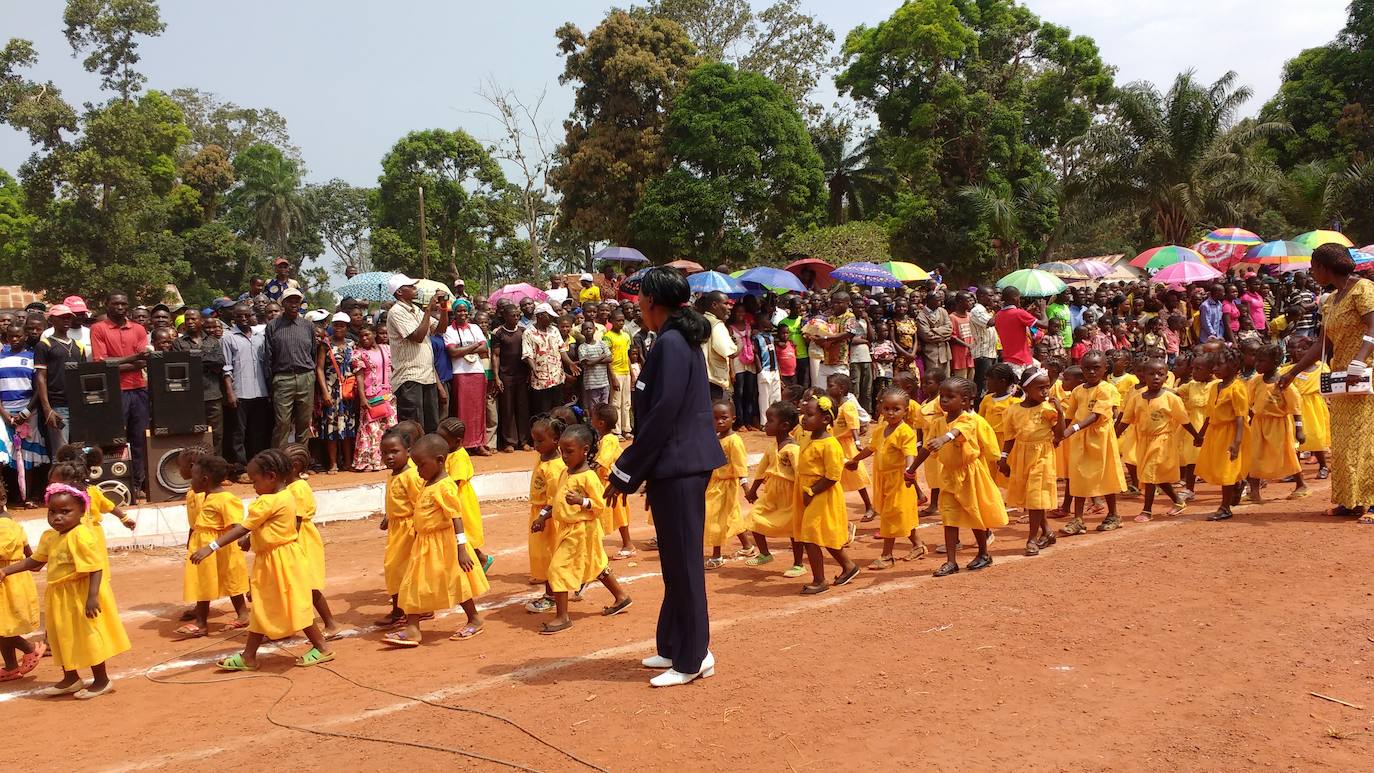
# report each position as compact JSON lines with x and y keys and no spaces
{"x":679,"y":508}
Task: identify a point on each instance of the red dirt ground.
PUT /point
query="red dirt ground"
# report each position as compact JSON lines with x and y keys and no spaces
{"x":1174,"y":645}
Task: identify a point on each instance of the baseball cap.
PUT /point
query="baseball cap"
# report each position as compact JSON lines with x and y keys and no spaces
{"x":156,"y":307}
{"x":316,"y":315}
{"x":59,"y":310}
{"x":397,"y":281}
{"x":544,"y":308}
{"x":339,"y":316}
{"x":36,"y":306}
{"x":281,"y":261}
{"x":76,"y":303}
{"x":585,"y":278}
{"x":222,"y":303}
{"x":291,"y":292}
{"x":460,"y":283}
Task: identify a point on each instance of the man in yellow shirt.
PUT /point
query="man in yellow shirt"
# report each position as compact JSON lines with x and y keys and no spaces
{"x":619,"y":341}
{"x":589,"y":293}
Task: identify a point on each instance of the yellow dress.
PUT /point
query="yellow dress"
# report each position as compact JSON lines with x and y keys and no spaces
{"x":458,"y":465}
{"x":280,"y":578}
{"x":993,"y":408}
{"x":1061,"y":451}
{"x":775,"y":509}
{"x":225,"y":572}
{"x":1156,"y":424}
{"x":930,"y":413}
{"x":1095,"y":469}
{"x":435,"y":581}
{"x":894,"y":500}
{"x":969,"y":498}
{"x":824,"y":521}
{"x":78,"y":641}
{"x":579,"y":556}
{"x":1224,"y":406}
{"x":543,"y":482}
{"x":1273,"y":438}
{"x":1316,"y":415}
{"x":1033,"y":483}
{"x":1125,"y":442}
{"x":100,"y":505}
{"x":18,"y":594}
{"x":618,"y":514}
{"x":914,"y":418}
{"x":310,"y":538}
{"x":845,"y":429}
{"x":1194,"y":397}
{"x":402,"y":492}
{"x":723,"y":518}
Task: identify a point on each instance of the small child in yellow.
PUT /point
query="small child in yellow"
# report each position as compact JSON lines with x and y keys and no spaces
{"x":544,"y":431}
{"x":90,"y":457}
{"x":1125,"y":379}
{"x":1095,"y":462}
{"x":723,"y":518}
{"x":1156,"y":415}
{"x":1221,"y":458}
{"x":579,"y":556}
{"x":442,"y":573}
{"x":1194,"y":394}
{"x":280,"y":578}
{"x":824,"y":523}
{"x":210,"y":511}
{"x":1316,"y":416}
{"x":18,"y":602}
{"x":893,"y":447}
{"x":931,"y":415}
{"x":846,"y":430}
{"x":911,"y":384}
{"x":310,"y":538}
{"x":460,"y":470}
{"x":616,"y":517}
{"x":773,"y":492}
{"x":84,"y":629}
{"x":1276,"y":426}
{"x":967,"y":446}
{"x":403,"y":488}
{"x":1068,"y":381}
{"x":1029,"y":462}
{"x":1000,"y":396}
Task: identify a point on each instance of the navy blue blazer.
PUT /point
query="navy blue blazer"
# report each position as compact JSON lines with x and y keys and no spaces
{"x":674,"y":432}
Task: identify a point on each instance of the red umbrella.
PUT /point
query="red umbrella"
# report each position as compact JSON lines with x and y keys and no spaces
{"x":820,"y":267}
{"x":686,"y":266}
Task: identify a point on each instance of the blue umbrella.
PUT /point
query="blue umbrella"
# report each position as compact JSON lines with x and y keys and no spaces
{"x":621,"y":254}
{"x":366,"y":287}
{"x":868,"y":274}
{"x":773,"y":279}
{"x":711,"y":281}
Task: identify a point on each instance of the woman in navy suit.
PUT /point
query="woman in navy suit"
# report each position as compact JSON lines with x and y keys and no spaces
{"x":674,"y":452}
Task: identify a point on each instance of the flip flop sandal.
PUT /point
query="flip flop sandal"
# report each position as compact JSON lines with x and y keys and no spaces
{"x":466,"y":632}
{"x":314,"y":658}
{"x":339,"y":634}
{"x":1178,"y":509}
{"x":234,"y":663}
{"x":617,"y":608}
{"x":844,"y":579}
{"x":794,"y":571}
{"x":622,"y":554}
{"x":236,"y":625}
{"x":399,"y":640}
{"x":812,"y":590}
{"x":1366,"y":520}
{"x":759,"y":560}
{"x":1143,"y":518}
{"x":746,"y":552}
{"x":882,"y":563}
{"x":916,"y":553}
{"x":714,"y":563}
{"x":191,"y":632}
{"x":1302,"y":493}
{"x":549,"y":629}
{"x":87,"y":694}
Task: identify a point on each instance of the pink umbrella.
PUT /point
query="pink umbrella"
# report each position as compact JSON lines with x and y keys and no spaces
{"x":1185,"y":272}
{"x":1093,"y":269}
{"x":516,"y":293}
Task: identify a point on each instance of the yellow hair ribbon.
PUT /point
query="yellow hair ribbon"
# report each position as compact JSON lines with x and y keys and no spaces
{"x":826,"y":404}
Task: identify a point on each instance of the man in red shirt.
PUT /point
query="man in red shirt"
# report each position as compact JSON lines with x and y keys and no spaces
{"x":1013,"y":325}
{"x":119,"y":340}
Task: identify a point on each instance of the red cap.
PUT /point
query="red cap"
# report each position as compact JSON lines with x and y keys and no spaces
{"x":76,"y":304}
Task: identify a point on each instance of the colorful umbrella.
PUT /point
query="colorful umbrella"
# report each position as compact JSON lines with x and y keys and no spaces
{"x":1233,"y":236}
{"x":1033,"y":283}
{"x":1092,"y":269}
{"x":1156,"y":258}
{"x":1364,"y":259}
{"x":1281,"y":254}
{"x":907,"y":272}
{"x":1314,"y":239}
{"x":516,"y":293}
{"x":1185,"y":272}
{"x":426,"y":288}
{"x":1369,"y":248}
{"x":366,"y":287}
{"x":630,"y":285}
{"x":1062,"y":270}
{"x":1220,"y":255}
{"x":712,"y":281}
{"x":775,"y":279}
{"x":863,"y":273}
{"x":686,"y":266}
{"x":819,"y":267}
{"x":621,"y":255}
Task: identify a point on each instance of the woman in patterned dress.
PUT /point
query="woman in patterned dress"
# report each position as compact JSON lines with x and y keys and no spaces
{"x":338,"y":421}
{"x":903,"y":337}
{"x":376,"y":413}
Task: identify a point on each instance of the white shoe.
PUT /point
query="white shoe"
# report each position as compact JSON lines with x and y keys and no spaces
{"x":672,"y":677}
{"x":657,"y":661}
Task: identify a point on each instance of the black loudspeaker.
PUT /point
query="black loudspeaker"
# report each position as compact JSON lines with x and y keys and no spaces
{"x":95,"y":403}
{"x":176,"y":394}
{"x":115,"y":479}
{"x":164,"y":479}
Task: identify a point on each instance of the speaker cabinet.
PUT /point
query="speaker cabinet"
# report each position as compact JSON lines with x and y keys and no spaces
{"x":176,"y":393}
{"x":164,"y":479}
{"x":95,"y":404}
{"x":115,"y":479}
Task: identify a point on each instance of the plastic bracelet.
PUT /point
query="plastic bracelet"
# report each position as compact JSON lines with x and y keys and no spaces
{"x":1368,"y":339}
{"x":214,"y":545}
{"x":949,"y":436}
{"x":1075,"y":427}
{"x":1003,"y":456}
{"x":586,"y":503}
{"x":462,"y":538}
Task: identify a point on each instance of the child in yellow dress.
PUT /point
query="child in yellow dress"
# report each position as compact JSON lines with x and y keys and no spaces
{"x":1095,"y":466}
{"x":579,"y":556}
{"x":281,"y":574}
{"x":773,"y":492}
{"x":1221,"y":458}
{"x":846,"y":430}
{"x":1029,"y":460}
{"x":84,"y":629}
{"x":1157,"y":415}
{"x":310,"y":538}
{"x":823,"y":523}
{"x":911,"y":384}
{"x":1068,"y":381}
{"x":1276,"y":426}
{"x":544,"y":431}
{"x":967,"y":446}
{"x":460,"y":470}
{"x":893,"y":447}
{"x":90,"y":457}
{"x":403,"y":489}
{"x":1127,"y":382}
{"x":615,"y":518}
{"x":993,"y":407}
{"x":723,"y":518}
{"x":930,"y":415}
{"x":1316,"y":415}
{"x":442,"y":572}
{"x":1193,"y":393}
{"x":18,"y":602}
{"x":210,"y":511}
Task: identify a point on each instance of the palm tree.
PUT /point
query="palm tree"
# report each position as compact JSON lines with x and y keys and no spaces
{"x":271,"y":194}
{"x":1007,"y":216}
{"x":853,"y":178}
{"x":1179,"y":159}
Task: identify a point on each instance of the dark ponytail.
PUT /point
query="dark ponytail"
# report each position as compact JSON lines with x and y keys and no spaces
{"x":668,"y":287}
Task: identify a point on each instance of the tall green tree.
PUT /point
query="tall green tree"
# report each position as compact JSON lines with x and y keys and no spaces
{"x":210,"y":174}
{"x":344,"y":217}
{"x":269,"y":196}
{"x":15,"y":225}
{"x":36,"y":109}
{"x":855,"y":179}
{"x":109,"y":30}
{"x":213,"y":121}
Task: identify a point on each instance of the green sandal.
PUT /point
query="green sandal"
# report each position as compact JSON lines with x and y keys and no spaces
{"x":760,"y":560}
{"x":234,"y":663}
{"x":314,"y":658}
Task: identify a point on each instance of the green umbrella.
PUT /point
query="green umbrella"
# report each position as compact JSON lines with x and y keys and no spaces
{"x":1033,"y":283}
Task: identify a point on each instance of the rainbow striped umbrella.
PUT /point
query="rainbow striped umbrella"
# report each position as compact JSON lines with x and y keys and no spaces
{"x":1285,"y":256}
{"x":1314,"y":239}
{"x":907,"y":272}
{"x":1063,"y":270}
{"x":1233,"y":236}
{"x":1156,"y":258}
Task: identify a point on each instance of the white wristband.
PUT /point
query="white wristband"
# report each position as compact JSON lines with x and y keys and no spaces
{"x":949,"y":436}
{"x":1074,"y":427}
{"x":1003,"y":456}
{"x":214,"y":545}
{"x":1368,"y":339}
{"x":586,"y":503}
{"x":462,"y":538}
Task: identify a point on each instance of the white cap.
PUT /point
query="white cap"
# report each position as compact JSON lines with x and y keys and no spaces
{"x":585,"y":278}
{"x":316,"y":315}
{"x":291,"y":292}
{"x":544,"y":308}
{"x":339,"y":316}
{"x":397,"y":281}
